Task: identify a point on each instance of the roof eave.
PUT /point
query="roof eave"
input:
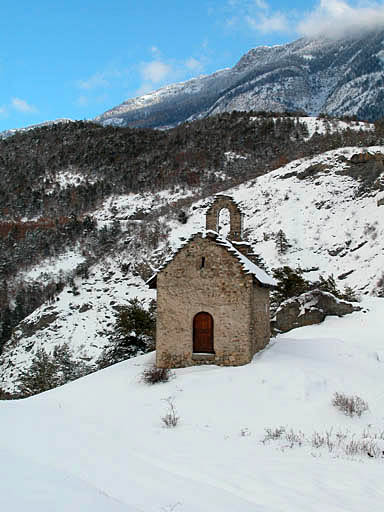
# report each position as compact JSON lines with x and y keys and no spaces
{"x":152,"y":282}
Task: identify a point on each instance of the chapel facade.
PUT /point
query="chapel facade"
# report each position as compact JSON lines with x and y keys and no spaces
{"x":212,"y":300}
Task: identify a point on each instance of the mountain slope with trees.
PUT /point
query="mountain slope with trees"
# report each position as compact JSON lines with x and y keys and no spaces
{"x":320,"y":214}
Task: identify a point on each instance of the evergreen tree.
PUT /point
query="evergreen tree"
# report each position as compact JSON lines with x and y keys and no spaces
{"x":134,"y":333}
{"x":40,"y":376}
{"x":49,"y":371}
{"x":290,"y":283}
{"x":282,"y":244}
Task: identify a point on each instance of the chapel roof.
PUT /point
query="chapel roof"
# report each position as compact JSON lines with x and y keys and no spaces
{"x":248,"y":266}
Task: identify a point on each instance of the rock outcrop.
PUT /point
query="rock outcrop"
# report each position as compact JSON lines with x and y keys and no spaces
{"x":308,"y":309}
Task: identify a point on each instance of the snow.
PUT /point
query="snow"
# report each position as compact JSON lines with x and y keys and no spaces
{"x":230,"y":156}
{"x":98,"y":443}
{"x":248,"y":266}
{"x":324,"y":125}
{"x":13,"y":131}
{"x":64,"y":263}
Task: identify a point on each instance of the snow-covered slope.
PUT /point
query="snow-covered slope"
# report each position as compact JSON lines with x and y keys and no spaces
{"x":338,"y":77}
{"x":99,"y":443}
{"x":13,"y":131}
{"x":329,"y":208}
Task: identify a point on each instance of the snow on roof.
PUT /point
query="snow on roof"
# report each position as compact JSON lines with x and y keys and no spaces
{"x":248,"y":266}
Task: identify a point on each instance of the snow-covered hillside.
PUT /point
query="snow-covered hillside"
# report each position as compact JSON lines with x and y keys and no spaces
{"x":13,"y":131}
{"x":329,"y":209}
{"x":99,"y":443}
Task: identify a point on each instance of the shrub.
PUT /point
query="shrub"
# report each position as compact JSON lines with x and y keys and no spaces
{"x":133,"y":333}
{"x":350,"y":294}
{"x":290,"y":283}
{"x":380,"y":286}
{"x":40,"y":376}
{"x":349,"y":405}
{"x":5,"y":395}
{"x":154,"y":375}
{"x":170,"y":419}
{"x":366,"y":444}
{"x":292,"y":437}
{"x":49,"y":371}
{"x":182,"y":217}
{"x":273,"y":434}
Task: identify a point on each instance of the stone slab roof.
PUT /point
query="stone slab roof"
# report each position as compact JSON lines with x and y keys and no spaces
{"x":248,"y":266}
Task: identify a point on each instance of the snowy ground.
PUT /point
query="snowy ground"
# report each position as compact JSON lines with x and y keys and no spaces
{"x":98,"y":443}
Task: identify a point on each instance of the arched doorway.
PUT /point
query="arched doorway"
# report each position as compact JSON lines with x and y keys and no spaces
{"x":203,"y":333}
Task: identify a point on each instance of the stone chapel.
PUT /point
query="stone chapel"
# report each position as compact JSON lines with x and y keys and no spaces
{"x":212,"y":300}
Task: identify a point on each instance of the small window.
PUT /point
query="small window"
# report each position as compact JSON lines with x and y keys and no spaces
{"x":202,"y":264}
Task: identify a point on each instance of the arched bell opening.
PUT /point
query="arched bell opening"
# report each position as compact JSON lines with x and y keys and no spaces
{"x":223,"y":222}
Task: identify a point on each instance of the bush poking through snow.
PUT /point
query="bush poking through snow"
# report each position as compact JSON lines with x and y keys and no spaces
{"x":349,"y":405}
{"x":170,"y":419}
{"x":154,"y":375}
{"x":271,"y":434}
{"x":367,"y":444}
{"x":292,"y":437}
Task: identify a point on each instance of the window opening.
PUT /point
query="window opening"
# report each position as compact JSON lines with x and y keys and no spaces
{"x":202,"y":264}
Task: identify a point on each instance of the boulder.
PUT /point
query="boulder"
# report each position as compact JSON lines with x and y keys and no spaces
{"x":308,"y":309}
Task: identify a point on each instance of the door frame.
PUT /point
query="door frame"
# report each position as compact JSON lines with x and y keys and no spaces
{"x":194,"y":333}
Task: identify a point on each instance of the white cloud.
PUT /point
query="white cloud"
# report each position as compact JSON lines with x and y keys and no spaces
{"x":276,"y":22}
{"x":155,"y":52}
{"x":155,"y":71}
{"x":85,"y":101}
{"x":3,"y":111}
{"x":145,"y":88}
{"x":22,"y":106}
{"x":159,"y":71}
{"x":82,"y":101}
{"x":336,"y":18}
{"x":332,"y":18}
{"x":194,"y":64}
{"x":258,"y":16}
{"x":96,"y":80}
{"x":261,"y":4}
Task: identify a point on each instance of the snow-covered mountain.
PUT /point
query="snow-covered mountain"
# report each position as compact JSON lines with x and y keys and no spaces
{"x":338,"y":77}
{"x":328,"y":206}
{"x":13,"y":131}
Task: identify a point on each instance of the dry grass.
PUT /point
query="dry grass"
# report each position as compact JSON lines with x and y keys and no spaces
{"x":349,"y":405}
{"x":339,"y":443}
{"x":170,"y":419}
{"x":154,"y":375}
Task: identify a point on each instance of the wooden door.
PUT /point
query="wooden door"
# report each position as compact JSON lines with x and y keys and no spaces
{"x":203,"y":333}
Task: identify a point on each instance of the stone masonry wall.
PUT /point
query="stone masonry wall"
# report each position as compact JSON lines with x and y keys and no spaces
{"x":261,"y":332}
{"x":236,"y":217}
{"x":219,"y":288}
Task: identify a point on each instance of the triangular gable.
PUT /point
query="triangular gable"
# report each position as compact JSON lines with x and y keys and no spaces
{"x":248,"y":266}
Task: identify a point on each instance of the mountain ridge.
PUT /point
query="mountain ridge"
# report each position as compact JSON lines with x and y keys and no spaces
{"x":339,"y":78}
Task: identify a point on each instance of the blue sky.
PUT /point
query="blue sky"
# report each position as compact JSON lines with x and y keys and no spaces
{"x":76,"y":59}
